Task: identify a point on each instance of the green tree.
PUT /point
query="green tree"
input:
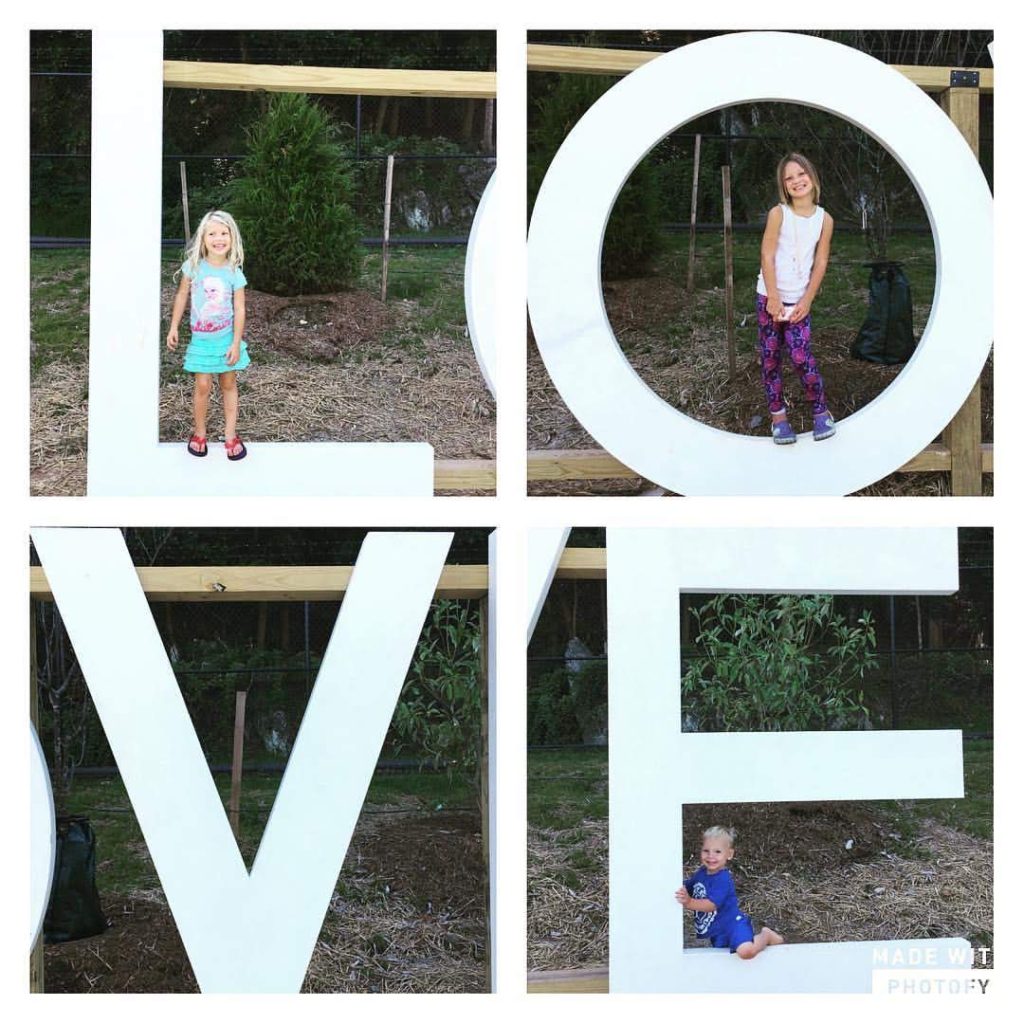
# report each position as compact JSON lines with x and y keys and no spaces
{"x":292,"y":202}
{"x":777,"y":663}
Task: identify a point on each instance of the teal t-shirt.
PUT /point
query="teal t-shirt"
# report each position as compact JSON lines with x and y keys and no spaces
{"x":213,"y":299}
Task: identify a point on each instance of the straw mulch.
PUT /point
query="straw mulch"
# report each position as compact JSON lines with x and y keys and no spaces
{"x":815,"y":873}
{"x":690,"y":371}
{"x":59,"y":425}
{"x":408,"y":915}
{"x":342,"y":367}
{"x":567,"y":906}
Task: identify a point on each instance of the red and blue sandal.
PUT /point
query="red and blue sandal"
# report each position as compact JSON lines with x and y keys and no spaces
{"x":197,"y":446}
{"x":236,"y":447}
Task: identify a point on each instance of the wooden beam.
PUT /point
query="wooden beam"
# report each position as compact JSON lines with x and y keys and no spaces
{"x":195,"y":74}
{"x":268,"y":583}
{"x":936,"y":79}
{"x":575,"y":464}
{"x":963,"y":435}
{"x":582,"y":564}
{"x":464,"y":475}
{"x":590,"y":980}
{"x":596,"y":464}
{"x":587,"y":60}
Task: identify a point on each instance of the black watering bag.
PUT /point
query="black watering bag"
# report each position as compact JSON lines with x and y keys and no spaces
{"x":887,"y":335}
{"x":74,"y":911}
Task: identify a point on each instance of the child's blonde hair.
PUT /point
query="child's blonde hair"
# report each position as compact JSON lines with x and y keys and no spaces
{"x":780,"y":176}
{"x":721,"y":832}
{"x":194,"y":250}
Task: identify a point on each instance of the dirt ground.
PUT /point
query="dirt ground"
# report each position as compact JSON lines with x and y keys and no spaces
{"x":813,"y":872}
{"x":408,"y":915}
{"x":324,"y":368}
{"x":690,"y":372}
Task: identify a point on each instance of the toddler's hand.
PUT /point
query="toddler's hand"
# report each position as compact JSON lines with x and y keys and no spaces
{"x":683,"y":897}
{"x":172,"y":338}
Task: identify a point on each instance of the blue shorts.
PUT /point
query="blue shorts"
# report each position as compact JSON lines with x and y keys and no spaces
{"x":733,"y":933}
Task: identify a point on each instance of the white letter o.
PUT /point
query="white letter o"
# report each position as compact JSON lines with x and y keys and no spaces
{"x":575,"y":200}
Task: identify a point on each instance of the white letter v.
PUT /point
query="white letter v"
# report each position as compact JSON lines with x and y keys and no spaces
{"x":244,"y":932}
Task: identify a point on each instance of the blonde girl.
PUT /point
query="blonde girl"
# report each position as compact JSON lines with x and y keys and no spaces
{"x":794,"y":256}
{"x":212,"y":274}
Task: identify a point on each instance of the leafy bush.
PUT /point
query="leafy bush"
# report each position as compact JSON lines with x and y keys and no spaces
{"x":633,"y":237}
{"x":292,"y":202}
{"x":771,"y":662}
{"x":566,"y":707}
{"x":550,"y":714}
{"x":438,"y":713}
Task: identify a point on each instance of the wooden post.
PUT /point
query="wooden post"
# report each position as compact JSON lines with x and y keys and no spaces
{"x":261,"y":627}
{"x":730,"y":331}
{"x":235,"y":800}
{"x":483,"y":769}
{"x":963,"y":435}
{"x":387,"y":228}
{"x":35,"y":962}
{"x":184,"y":200}
{"x":488,"y":140}
{"x":693,"y":215}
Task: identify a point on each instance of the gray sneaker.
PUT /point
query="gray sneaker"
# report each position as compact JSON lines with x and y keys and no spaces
{"x":824,"y":426}
{"x":782,"y":432}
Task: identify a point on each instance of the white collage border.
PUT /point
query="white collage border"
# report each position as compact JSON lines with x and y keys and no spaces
{"x":510,"y":511}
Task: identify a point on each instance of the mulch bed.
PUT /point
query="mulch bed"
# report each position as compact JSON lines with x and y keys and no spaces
{"x":409,"y":915}
{"x":832,"y":872}
{"x":324,"y":368}
{"x":691,"y":374}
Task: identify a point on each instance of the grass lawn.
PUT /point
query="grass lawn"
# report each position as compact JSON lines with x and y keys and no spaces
{"x":429,"y":276}
{"x":123,"y":862}
{"x":567,"y":788}
{"x":841,"y":303}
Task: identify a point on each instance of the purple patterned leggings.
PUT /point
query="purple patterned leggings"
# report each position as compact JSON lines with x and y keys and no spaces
{"x":771,"y":336}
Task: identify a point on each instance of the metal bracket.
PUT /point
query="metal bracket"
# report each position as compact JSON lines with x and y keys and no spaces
{"x":964,"y":79}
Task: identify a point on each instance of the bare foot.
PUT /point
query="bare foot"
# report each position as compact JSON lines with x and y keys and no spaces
{"x":772,"y":938}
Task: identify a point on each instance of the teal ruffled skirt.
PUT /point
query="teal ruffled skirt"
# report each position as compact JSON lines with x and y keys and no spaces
{"x":205,"y":354}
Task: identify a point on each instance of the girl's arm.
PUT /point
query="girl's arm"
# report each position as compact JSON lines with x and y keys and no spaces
{"x":769,"y":246}
{"x":180,"y":298}
{"x":234,"y":353}
{"x":821,"y":254}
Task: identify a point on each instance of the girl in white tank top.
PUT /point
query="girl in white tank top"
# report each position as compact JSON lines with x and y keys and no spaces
{"x":794,"y":256}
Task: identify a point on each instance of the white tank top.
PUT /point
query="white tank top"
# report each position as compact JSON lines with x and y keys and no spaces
{"x":794,"y":257}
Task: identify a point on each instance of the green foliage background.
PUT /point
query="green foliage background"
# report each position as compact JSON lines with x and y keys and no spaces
{"x":777,"y":663}
{"x":293,"y":202}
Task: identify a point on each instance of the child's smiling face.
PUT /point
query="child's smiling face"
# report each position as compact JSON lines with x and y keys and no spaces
{"x":217,"y":240}
{"x":715,"y":853}
{"x":797,"y":181}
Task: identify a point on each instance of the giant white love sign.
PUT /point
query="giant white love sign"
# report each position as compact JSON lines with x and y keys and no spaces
{"x":244,"y":931}
{"x":567,"y":231}
{"x":655,"y":768}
